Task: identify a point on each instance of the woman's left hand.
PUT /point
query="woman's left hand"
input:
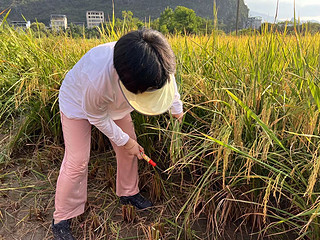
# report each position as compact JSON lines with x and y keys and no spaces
{"x":178,"y":116}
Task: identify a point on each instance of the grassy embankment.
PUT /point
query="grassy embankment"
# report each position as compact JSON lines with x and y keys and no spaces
{"x":247,"y":151}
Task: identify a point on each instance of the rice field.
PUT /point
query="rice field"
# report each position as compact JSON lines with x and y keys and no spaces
{"x":244,"y":160}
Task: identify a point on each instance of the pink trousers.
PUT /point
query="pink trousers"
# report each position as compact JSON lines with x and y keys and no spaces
{"x":71,"y":191}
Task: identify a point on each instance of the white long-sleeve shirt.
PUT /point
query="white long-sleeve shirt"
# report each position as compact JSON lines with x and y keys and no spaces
{"x":91,"y":91}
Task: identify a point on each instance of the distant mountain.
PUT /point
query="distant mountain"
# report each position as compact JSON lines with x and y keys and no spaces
{"x":143,"y":9}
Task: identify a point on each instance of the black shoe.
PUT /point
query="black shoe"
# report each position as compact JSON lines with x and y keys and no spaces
{"x":136,"y":200}
{"x":61,"y":230}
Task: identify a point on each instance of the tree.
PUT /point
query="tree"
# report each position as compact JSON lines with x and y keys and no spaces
{"x":180,"y":20}
{"x":76,"y":31}
{"x":128,"y":22}
{"x":166,"y":21}
{"x":185,"y":20}
{"x":39,"y":28}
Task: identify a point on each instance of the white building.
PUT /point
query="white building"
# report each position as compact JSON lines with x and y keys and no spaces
{"x":58,"y":21}
{"x":254,"y":22}
{"x":21,"y":24}
{"x":94,"y":18}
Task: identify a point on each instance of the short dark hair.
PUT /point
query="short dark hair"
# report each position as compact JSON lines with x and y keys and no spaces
{"x":143,"y":60}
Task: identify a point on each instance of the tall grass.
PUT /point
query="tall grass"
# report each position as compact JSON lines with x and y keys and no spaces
{"x":257,"y":100}
{"x":247,"y":151}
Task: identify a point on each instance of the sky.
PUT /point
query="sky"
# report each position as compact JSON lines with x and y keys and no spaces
{"x":305,"y":9}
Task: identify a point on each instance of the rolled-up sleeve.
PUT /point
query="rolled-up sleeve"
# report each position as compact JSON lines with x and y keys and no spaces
{"x":177,"y":106}
{"x":95,"y":108}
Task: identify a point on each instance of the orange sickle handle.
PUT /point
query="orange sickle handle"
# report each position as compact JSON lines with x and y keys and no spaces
{"x":145,"y":157}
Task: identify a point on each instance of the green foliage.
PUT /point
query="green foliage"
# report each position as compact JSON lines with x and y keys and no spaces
{"x":166,"y":19}
{"x":76,"y":31}
{"x":128,"y":22}
{"x":183,"y":20}
{"x":39,"y":28}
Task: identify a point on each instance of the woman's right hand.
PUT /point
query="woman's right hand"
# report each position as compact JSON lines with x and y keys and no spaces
{"x":134,"y":148}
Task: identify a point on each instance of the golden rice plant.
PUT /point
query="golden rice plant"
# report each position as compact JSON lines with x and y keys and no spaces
{"x":247,"y":151}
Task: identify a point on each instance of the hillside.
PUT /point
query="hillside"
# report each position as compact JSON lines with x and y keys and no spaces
{"x":76,"y":9}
